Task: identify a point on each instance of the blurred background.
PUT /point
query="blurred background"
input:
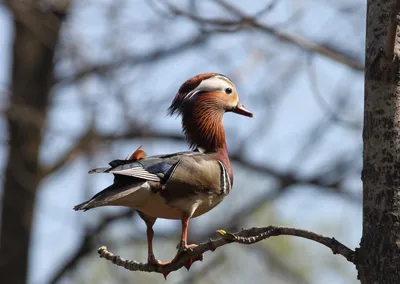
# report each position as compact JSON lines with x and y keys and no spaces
{"x":85,"y":82}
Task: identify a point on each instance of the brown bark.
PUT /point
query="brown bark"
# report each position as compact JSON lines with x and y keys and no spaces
{"x":378,"y":258}
{"x":32,"y":69}
{"x":186,"y":257}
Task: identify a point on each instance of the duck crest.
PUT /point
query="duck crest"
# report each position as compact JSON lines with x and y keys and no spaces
{"x":202,"y":109}
{"x":186,"y":90}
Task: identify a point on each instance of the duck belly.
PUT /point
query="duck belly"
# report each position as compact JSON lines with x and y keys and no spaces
{"x":207,"y":203}
{"x":158,"y":207}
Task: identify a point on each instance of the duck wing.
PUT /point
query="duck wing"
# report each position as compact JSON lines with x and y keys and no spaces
{"x":130,"y":176}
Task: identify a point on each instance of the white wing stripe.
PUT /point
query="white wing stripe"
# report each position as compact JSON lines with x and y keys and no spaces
{"x":137,"y":172}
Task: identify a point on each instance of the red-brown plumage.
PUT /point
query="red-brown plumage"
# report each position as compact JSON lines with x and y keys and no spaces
{"x":202,"y":116}
{"x":137,"y":155}
{"x":202,"y":123}
{"x":203,"y":127}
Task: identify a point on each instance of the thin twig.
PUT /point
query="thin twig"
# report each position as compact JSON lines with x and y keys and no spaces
{"x":133,"y":60}
{"x":246,"y":21}
{"x":248,"y":236}
{"x":333,"y":113}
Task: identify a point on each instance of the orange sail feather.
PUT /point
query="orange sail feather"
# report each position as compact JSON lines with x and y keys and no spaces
{"x":137,"y":155}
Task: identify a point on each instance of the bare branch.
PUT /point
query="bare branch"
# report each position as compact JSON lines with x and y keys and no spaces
{"x":234,"y":221}
{"x":138,"y":59}
{"x":286,"y":178}
{"x":72,"y":154}
{"x":297,"y":40}
{"x":289,"y":178}
{"x":333,"y":113}
{"x":248,"y":236}
{"x":90,"y":137}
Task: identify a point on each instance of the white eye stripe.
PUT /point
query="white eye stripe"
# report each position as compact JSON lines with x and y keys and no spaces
{"x":213,"y":84}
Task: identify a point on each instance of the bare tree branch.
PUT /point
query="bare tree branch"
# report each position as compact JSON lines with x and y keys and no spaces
{"x":73,"y":153}
{"x":248,"y":236}
{"x":138,"y":59}
{"x":286,"y":178}
{"x":89,"y":137}
{"x":297,"y":40}
{"x":233,"y":224}
{"x":291,"y":178}
{"x":333,"y":113}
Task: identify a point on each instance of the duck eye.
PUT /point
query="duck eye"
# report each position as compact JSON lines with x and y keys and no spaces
{"x":228,"y":91}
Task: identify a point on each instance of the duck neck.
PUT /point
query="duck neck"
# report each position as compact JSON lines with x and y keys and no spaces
{"x":202,"y":124}
{"x":203,"y":127}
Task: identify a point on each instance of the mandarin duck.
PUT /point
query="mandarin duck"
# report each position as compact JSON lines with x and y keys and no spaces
{"x":181,"y":185}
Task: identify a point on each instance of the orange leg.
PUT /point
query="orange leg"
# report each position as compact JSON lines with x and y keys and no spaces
{"x":183,"y":244}
{"x":185,"y":226}
{"x":181,"y":247}
{"x":150,"y":256}
{"x":150,"y":234}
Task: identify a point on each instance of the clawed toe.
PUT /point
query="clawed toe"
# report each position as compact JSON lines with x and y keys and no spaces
{"x":154,"y":261}
{"x":190,"y":246}
{"x":183,"y":248}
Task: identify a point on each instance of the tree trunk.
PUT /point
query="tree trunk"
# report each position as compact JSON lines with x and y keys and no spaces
{"x":378,"y":259}
{"x":32,"y":69}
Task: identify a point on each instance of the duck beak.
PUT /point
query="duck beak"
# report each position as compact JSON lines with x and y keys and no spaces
{"x":240,"y":109}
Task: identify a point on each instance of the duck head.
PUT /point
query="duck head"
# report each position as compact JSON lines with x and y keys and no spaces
{"x":202,"y":102}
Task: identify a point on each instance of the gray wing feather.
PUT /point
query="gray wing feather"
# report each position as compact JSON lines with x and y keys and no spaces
{"x":109,"y":195}
{"x":98,"y":170}
{"x":137,"y":172}
{"x":132,"y":169}
{"x":151,"y":169}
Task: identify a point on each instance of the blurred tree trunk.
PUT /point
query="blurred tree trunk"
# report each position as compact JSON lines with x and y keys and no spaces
{"x":32,"y":68}
{"x":379,"y":255}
